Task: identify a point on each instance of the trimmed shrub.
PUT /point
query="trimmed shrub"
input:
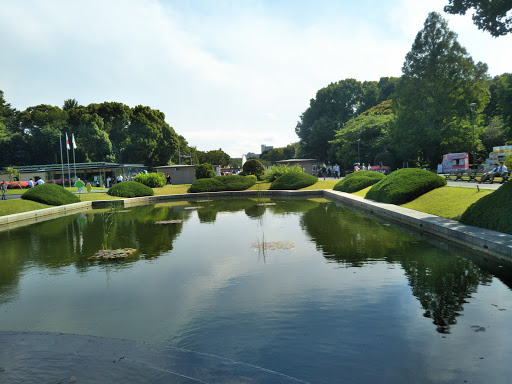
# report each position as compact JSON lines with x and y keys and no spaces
{"x":152,"y":180}
{"x":205,"y":171}
{"x":293,"y":180}
{"x":222,"y":183}
{"x":277,"y":171}
{"x":130,"y":189}
{"x":405,"y":185}
{"x":358,"y":180}
{"x":252,"y":177}
{"x":493,"y":211}
{"x":254,"y":167}
{"x":51,"y":194}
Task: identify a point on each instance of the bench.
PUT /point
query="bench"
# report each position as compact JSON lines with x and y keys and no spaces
{"x":455,"y":174}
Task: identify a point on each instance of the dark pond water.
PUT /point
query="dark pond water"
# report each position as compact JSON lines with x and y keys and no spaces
{"x":353,"y":301}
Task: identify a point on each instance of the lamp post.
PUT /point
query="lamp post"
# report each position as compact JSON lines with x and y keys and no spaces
{"x":472,"y":106}
{"x":358,"y":152}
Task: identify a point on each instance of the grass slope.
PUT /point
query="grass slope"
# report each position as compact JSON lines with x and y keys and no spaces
{"x":447,"y":202}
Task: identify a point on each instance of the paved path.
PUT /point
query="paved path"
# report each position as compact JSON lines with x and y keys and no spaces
{"x":450,"y":183}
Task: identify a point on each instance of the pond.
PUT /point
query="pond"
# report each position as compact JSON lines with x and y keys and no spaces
{"x":305,"y":287}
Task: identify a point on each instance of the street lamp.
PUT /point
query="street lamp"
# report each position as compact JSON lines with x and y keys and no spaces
{"x":472,"y":106}
{"x":358,"y":153}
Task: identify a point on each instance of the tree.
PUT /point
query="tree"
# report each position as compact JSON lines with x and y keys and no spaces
{"x":69,"y":104}
{"x":205,"y":171}
{"x":254,"y":167}
{"x":149,"y":139}
{"x":493,"y":16}
{"x":372,"y":128}
{"x":432,"y":101}
{"x":216,"y":156}
{"x":333,"y":106}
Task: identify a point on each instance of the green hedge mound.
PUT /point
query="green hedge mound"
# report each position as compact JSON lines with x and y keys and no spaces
{"x":493,"y":211}
{"x":152,"y":180}
{"x":222,"y":183}
{"x":51,"y":194}
{"x":358,"y":180}
{"x":405,"y":185}
{"x":130,"y":189}
{"x":293,"y":180}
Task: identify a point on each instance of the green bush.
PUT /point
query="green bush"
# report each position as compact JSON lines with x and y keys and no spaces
{"x":51,"y":194}
{"x":222,"y":183}
{"x":405,"y":185}
{"x":130,"y":189}
{"x":253,"y":177}
{"x":152,"y":180}
{"x":205,"y":171}
{"x":358,"y":180}
{"x":493,"y":211}
{"x":254,"y":167}
{"x":277,"y":171}
{"x":294,"y":180}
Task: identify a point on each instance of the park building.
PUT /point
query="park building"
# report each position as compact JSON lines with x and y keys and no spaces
{"x":94,"y":173}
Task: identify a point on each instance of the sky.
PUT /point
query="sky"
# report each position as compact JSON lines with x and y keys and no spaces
{"x":226,"y":74}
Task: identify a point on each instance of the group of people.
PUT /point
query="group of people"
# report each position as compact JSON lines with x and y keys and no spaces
{"x":497,"y":171}
{"x":363,"y":167}
{"x":328,"y":171}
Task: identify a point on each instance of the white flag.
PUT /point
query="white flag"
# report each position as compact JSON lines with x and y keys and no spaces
{"x":73,"y":139}
{"x":67,"y":141}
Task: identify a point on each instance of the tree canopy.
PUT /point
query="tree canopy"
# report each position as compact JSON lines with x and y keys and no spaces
{"x":493,"y":16}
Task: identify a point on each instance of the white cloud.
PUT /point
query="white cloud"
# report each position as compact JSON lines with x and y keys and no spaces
{"x":214,"y":70}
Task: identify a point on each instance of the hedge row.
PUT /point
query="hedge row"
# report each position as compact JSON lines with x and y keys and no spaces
{"x":130,"y":189}
{"x":358,"y":180}
{"x":222,"y":183}
{"x":51,"y":194}
{"x":405,"y":185}
{"x":293,"y":180}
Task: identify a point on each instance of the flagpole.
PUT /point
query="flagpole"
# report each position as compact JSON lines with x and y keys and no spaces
{"x":67,"y":151}
{"x":74,"y":146}
{"x":61,"y":159}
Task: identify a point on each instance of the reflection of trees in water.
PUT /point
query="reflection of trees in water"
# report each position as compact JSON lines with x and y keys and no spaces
{"x":70,"y":240}
{"x":440,"y":281}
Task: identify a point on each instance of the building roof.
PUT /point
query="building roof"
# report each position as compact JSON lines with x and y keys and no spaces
{"x":80,"y":166}
{"x":294,"y":160}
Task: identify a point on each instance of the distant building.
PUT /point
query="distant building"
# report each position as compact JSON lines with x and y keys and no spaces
{"x":252,"y":155}
{"x":266,"y":147}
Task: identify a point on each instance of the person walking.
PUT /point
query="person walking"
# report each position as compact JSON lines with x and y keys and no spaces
{"x":4,"y":190}
{"x":30,"y":184}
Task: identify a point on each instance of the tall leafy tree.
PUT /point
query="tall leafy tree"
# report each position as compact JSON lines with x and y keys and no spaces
{"x":215,"y":157}
{"x":149,"y":140}
{"x":432,"y":100}
{"x":332,"y":107}
{"x":493,"y":16}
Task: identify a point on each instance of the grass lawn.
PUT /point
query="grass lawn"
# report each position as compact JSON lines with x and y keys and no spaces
{"x":172,"y":189}
{"x":260,"y":186}
{"x":322,"y":184}
{"x":9,"y":207}
{"x":448,"y":202}
{"x":363,"y":192}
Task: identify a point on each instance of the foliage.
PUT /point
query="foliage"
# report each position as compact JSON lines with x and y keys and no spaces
{"x":293,"y":180}
{"x":217,"y":157}
{"x":51,"y":194}
{"x":492,"y":211}
{"x":253,"y":177}
{"x":205,"y":171}
{"x":222,"y":183}
{"x":358,"y":180}
{"x":432,"y":100}
{"x":254,"y":167}
{"x":282,"y":153}
{"x":130,"y":189}
{"x":14,"y":174}
{"x":492,"y":16}
{"x":372,"y":128}
{"x":405,"y":185}
{"x":279,"y":170}
{"x":152,"y":180}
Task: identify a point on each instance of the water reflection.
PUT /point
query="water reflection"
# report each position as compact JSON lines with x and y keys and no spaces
{"x":441,"y":282}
